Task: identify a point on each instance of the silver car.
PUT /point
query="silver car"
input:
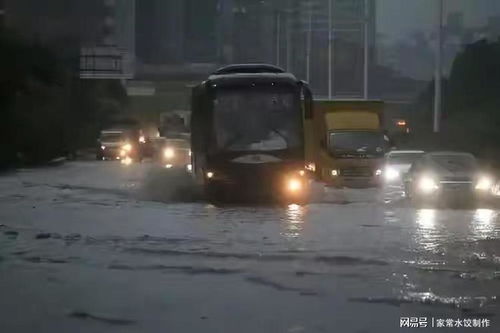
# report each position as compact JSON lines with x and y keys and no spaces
{"x":446,"y":177}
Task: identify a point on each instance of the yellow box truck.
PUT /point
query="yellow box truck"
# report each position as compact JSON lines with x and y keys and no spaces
{"x":346,"y":143}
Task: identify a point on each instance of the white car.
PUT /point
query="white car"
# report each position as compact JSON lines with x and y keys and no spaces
{"x":398,"y":163}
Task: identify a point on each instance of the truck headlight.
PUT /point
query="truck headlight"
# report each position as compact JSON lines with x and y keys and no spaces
{"x":127,"y":147}
{"x":484,"y":184}
{"x":427,"y":184}
{"x":169,"y":153}
{"x":391,"y":173}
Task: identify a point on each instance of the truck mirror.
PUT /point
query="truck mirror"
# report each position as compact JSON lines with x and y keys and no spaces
{"x":308,"y":101}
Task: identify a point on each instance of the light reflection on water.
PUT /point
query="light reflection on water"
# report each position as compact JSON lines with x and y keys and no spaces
{"x":294,"y":223}
{"x":427,"y":235}
{"x":483,"y":223}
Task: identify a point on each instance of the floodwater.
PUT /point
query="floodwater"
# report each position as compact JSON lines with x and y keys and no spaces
{"x":104,"y":247}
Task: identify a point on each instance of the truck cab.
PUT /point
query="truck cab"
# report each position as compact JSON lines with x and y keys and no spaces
{"x":345,"y":142}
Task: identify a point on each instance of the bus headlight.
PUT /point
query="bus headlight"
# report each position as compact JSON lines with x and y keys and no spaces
{"x":294,"y":185}
{"x":484,"y":184}
{"x":127,"y":147}
{"x":427,"y":184}
{"x":169,"y":153}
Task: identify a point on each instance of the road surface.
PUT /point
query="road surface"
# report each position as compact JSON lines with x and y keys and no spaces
{"x":103,"y":247}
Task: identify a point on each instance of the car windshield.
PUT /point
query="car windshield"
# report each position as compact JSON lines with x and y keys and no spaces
{"x":257,"y":119}
{"x":357,"y":142}
{"x":403,"y":158}
{"x":454,"y":163}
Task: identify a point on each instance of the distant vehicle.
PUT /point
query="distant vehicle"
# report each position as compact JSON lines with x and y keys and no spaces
{"x":117,"y":144}
{"x":346,"y":142}
{"x":398,"y":163}
{"x":174,"y":153}
{"x":447,"y":177}
{"x":247,"y":133}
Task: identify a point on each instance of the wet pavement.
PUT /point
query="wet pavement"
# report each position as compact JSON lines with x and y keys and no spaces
{"x":103,"y":247}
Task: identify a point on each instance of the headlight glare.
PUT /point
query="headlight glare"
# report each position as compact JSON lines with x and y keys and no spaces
{"x":169,"y":153}
{"x":391,"y":173}
{"x":427,"y":184}
{"x":127,"y":147}
{"x":484,"y":184}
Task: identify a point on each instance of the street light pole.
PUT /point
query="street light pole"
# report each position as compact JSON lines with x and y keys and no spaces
{"x":330,"y":51}
{"x":366,"y":53}
{"x":278,"y":37}
{"x":438,"y":71}
{"x":309,"y":44}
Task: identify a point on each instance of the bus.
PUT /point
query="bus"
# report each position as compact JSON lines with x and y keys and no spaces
{"x":247,"y":133}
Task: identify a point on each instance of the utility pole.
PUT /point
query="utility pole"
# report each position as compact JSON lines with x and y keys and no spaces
{"x":366,"y":53}
{"x":278,"y":37}
{"x":330,"y":50}
{"x":288,"y":36}
{"x":309,"y":43}
{"x":438,"y":70}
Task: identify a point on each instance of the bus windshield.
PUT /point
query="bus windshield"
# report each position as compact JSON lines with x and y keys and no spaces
{"x":257,"y":119}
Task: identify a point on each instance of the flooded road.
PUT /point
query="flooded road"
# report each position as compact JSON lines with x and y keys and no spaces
{"x":101,"y":247}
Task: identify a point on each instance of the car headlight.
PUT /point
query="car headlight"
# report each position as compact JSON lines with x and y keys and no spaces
{"x":210,"y":174}
{"x":427,"y":184}
{"x":335,"y":173}
{"x":169,"y":153}
{"x":391,"y":173}
{"x":378,"y":172}
{"x":484,"y":184}
{"x":189,"y":167}
{"x":103,"y":147}
{"x":294,"y":185}
{"x":127,"y":147}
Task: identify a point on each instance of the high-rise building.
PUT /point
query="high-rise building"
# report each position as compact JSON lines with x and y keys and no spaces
{"x":2,"y":13}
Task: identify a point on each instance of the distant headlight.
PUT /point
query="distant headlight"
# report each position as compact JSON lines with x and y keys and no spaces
{"x":427,"y":185}
{"x":311,"y":167}
{"x":189,"y":167}
{"x":127,"y":147}
{"x":378,"y":172}
{"x":391,"y":173}
{"x":335,"y":173}
{"x":484,"y":184}
{"x":142,"y":139}
{"x":103,"y":147}
{"x":190,"y":152}
{"x":210,"y":174}
{"x":169,"y":153}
